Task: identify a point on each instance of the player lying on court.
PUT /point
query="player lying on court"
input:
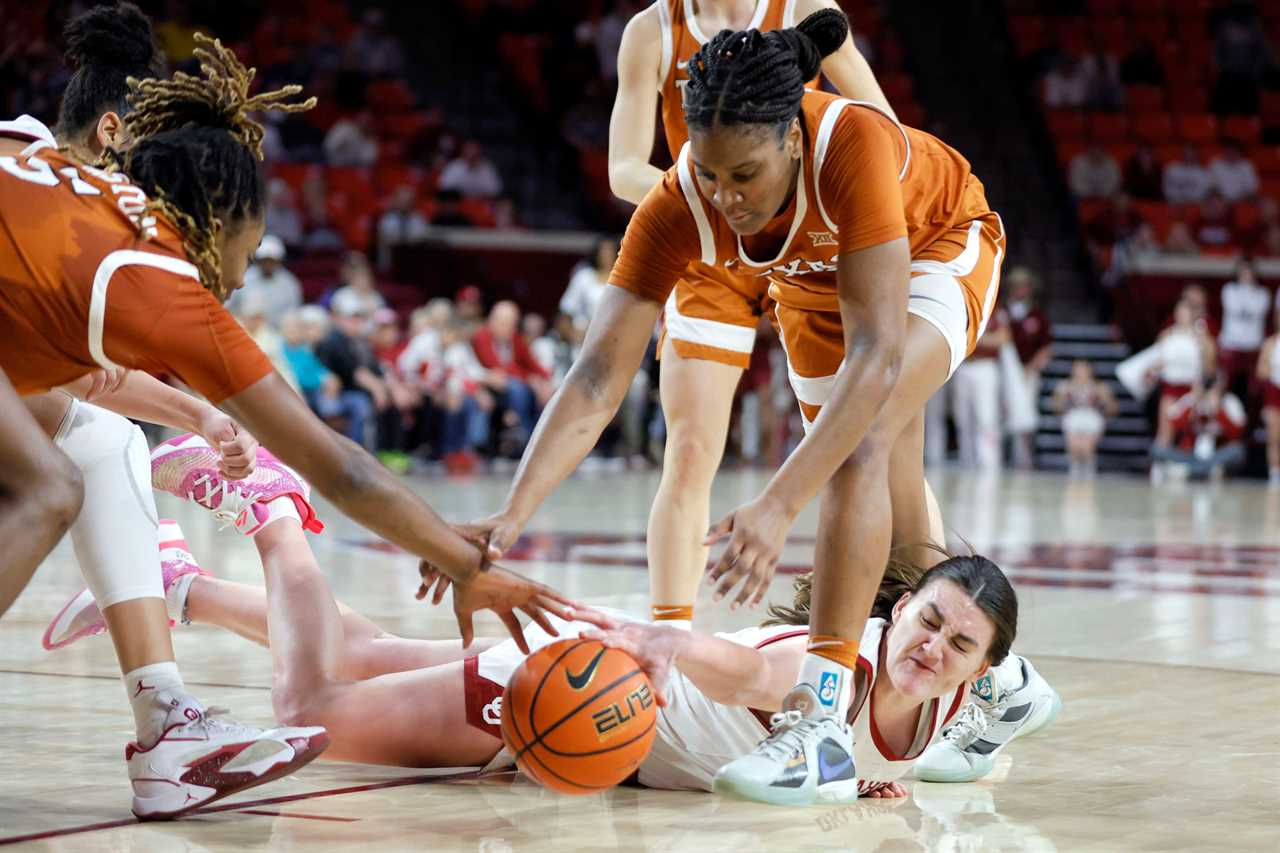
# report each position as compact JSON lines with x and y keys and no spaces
{"x":884,"y":258}
{"x":931,"y":635}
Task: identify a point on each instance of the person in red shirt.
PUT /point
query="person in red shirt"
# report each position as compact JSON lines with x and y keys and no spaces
{"x":1033,"y":337}
{"x":521,"y":382}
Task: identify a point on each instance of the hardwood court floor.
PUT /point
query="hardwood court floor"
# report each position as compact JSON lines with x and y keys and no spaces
{"x":1154,"y":611}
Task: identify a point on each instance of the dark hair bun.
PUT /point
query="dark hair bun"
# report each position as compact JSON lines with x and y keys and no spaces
{"x":817,"y":37}
{"x":111,"y":36}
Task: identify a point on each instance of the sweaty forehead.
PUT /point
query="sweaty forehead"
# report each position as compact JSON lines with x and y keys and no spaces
{"x":961,"y":614}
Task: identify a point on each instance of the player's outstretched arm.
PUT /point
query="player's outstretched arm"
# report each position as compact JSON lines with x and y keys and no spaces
{"x":580,"y":410}
{"x":362,"y":488}
{"x":632,"y":122}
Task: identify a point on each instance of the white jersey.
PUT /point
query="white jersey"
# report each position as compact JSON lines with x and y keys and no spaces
{"x":1181,"y":361}
{"x":31,"y":130}
{"x":1244,"y":316}
{"x":696,"y":736}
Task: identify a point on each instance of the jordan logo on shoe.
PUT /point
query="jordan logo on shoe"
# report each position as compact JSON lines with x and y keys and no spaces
{"x":141,"y":687}
{"x":583,"y":678}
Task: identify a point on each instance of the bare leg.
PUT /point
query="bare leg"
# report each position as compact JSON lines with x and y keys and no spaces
{"x":40,"y":494}
{"x":1272,"y":419}
{"x":697,"y":399}
{"x":915,"y":513}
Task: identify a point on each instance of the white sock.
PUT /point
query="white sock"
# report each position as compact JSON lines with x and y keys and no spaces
{"x":681,"y":624}
{"x":175,"y":598}
{"x":832,"y":682}
{"x":141,"y":685}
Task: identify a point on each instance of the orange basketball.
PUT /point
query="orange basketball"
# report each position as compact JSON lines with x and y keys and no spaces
{"x":578,"y":717}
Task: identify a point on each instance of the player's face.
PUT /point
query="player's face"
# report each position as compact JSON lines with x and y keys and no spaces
{"x":746,"y":173}
{"x":939,"y":639}
{"x":236,"y":245}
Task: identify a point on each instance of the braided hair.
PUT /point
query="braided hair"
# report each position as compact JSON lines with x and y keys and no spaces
{"x":105,"y":46}
{"x":198,"y":151}
{"x":754,"y":78}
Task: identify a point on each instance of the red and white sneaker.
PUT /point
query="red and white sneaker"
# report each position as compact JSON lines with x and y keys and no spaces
{"x":80,"y":617}
{"x":187,"y":467}
{"x":199,"y":759}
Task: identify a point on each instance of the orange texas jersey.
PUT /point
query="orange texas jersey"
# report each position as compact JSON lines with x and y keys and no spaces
{"x":681,"y":38}
{"x":867,"y":180}
{"x":89,"y":279}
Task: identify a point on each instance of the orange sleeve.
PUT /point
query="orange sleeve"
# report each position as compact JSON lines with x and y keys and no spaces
{"x":660,"y":241}
{"x":165,"y":323}
{"x":859,"y":181}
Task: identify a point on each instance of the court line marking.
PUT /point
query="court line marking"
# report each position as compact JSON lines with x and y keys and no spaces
{"x":270,"y":813}
{"x":250,"y":804}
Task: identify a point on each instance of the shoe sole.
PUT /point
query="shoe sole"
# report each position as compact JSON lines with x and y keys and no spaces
{"x":92,"y":630}
{"x":317,"y":745}
{"x":831,"y":795}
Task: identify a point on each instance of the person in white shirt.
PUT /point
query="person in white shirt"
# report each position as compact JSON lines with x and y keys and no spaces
{"x":1185,"y":180}
{"x":1067,"y":85}
{"x":471,"y":174}
{"x":273,"y":290}
{"x":587,"y":287}
{"x":1233,"y":175}
{"x":1245,"y":304}
{"x":1094,"y":173}
{"x":359,"y":294}
{"x":283,"y":218}
{"x":350,"y":142}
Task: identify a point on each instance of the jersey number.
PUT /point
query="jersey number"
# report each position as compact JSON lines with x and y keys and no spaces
{"x":37,"y":171}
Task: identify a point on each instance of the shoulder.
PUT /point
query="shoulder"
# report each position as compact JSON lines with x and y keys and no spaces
{"x":645,"y":25}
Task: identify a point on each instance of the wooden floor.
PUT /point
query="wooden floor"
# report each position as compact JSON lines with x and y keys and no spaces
{"x":1155,"y":611}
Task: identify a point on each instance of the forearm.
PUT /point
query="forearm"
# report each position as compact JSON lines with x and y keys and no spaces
{"x":732,"y":674}
{"x":631,"y":180}
{"x":145,"y":398}
{"x":861,"y":388}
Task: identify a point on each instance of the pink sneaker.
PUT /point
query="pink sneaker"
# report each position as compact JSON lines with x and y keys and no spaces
{"x":80,"y":617}
{"x":187,"y":467}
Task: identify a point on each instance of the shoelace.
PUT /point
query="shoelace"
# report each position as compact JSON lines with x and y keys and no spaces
{"x":231,"y":500}
{"x":787,"y":731}
{"x":971,"y":725}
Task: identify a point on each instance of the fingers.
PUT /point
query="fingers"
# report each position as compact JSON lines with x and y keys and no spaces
{"x":468,"y":631}
{"x":443,"y":582}
{"x":719,"y":530}
{"x":517,"y":631}
{"x":540,"y":617}
{"x":595,"y":617}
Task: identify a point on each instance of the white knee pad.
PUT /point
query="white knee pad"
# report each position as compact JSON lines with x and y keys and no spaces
{"x":115,"y":537}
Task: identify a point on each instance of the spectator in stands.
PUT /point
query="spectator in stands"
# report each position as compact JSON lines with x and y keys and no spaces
{"x":274,"y":290}
{"x":1094,"y":174}
{"x":1066,"y":85}
{"x":1213,"y":226}
{"x":543,"y":348}
{"x":513,"y":373}
{"x":1033,"y":337}
{"x":1185,"y":180}
{"x":283,"y":219}
{"x":388,"y":344}
{"x":1179,"y":240}
{"x":425,"y":350}
{"x":1245,"y":306}
{"x":1118,"y":222}
{"x":1268,"y":217}
{"x":351,"y":141}
{"x":1103,"y":89}
{"x":504,"y":214}
{"x":345,"y":352}
{"x":1242,"y":58}
{"x":1268,"y":372}
{"x":1233,"y":175}
{"x":1142,"y":67}
{"x":975,"y":398}
{"x":1198,"y":299}
{"x":1269,"y":242}
{"x":358,"y":292}
{"x":372,"y":49}
{"x":401,"y":224}
{"x":349,"y":411}
{"x":1084,"y":403}
{"x":469,"y":303}
{"x":321,"y":236}
{"x":587,"y":286}
{"x":465,"y":404}
{"x":251,"y":311}
{"x":1143,"y":177}
{"x":605,"y":37}
{"x":471,"y":174}
{"x":1207,"y":436}
{"x":1186,"y":359}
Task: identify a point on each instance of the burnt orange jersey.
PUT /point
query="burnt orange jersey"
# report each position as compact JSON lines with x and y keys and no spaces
{"x":681,"y":38}
{"x":866,"y":180}
{"x":89,"y":279}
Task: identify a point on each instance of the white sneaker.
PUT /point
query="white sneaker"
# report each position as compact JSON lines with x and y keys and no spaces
{"x":805,"y":760}
{"x":200,"y":759}
{"x":995,"y":715}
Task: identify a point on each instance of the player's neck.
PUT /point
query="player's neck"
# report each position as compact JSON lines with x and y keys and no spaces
{"x":715,"y":15}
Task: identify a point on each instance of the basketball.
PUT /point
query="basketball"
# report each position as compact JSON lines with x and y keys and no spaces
{"x":578,"y":717}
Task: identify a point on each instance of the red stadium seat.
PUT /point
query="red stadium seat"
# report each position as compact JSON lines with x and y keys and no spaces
{"x":1271,"y":109}
{"x":1166,"y":154}
{"x":1100,"y":8}
{"x":1147,"y":8}
{"x":1092,"y":208}
{"x":1068,"y":149}
{"x":1108,"y":127}
{"x":1200,"y":129}
{"x":1121,"y":151}
{"x":1266,"y":159}
{"x":1074,"y":35}
{"x":911,"y":114}
{"x":294,"y":174}
{"x":1271,"y":186}
{"x":1154,"y":29}
{"x":897,"y":88}
{"x":1066,"y":124}
{"x":1113,"y":34}
{"x":1155,"y":128}
{"x":1158,"y":214}
{"x":1246,"y":130}
{"x":1245,"y":217}
{"x":350,"y":180}
{"x":1144,"y":99}
{"x":388,"y":177}
{"x":389,"y":96}
{"x":1189,"y":97}
{"x":1027,"y":32}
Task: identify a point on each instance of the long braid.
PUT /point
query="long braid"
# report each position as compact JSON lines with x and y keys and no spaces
{"x":749,"y":77}
{"x":218,"y":98}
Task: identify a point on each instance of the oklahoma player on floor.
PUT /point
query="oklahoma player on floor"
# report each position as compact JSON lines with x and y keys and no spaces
{"x":881,"y":247}
{"x":931,"y":634}
{"x":711,"y":316}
